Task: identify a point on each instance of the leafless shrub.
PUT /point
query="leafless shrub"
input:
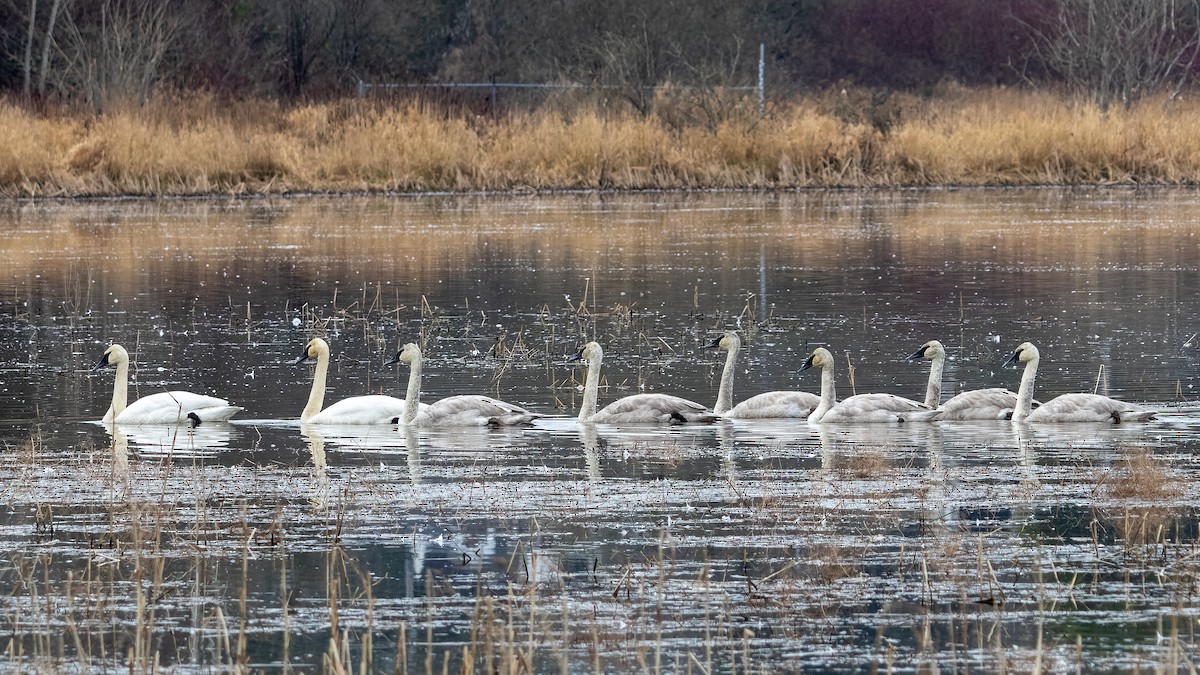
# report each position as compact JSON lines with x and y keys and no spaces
{"x":1119,"y":50}
{"x":118,"y":61}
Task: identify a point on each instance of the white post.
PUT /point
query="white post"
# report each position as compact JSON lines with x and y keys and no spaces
{"x":762,"y":90}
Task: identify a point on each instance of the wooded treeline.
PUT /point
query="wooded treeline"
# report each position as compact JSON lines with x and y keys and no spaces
{"x":104,"y":51}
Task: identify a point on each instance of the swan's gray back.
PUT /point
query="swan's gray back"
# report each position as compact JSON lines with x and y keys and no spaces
{"x":653,"y":409}
{"x":980,"y":404}
{"x":775,"y":405}
{"x":1087,"y":408}
{"x":473,"y":410}
{"x":879,"y":408}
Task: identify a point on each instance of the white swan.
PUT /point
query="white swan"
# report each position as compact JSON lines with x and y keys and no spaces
{"x":863,"y":407}
{"x":373,"y":409}
{"x":168,"y":407}
{"x":453,"y":411}
{"x":635,"y":409}
{"x":770,"y":405}
{"x":994,"y":403}
{"x":1068,"y":407}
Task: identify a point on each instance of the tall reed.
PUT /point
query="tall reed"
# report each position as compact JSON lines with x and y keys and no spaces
{"x":196,"y":145}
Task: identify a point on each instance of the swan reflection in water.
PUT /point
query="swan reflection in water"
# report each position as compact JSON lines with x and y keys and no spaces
{"x":208,"y":440}
{"x":360,"y":440}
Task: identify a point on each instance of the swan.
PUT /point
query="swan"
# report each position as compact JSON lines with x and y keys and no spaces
{"x":373,"y":409}
{"x":453,"y":411}
{"x":863,"y":407}
{"x":1068,"y":407}
{"x":167,"y":407}
{"x":770,"y":405}
{"x":994,"y":403}
{"x":635,"y":409}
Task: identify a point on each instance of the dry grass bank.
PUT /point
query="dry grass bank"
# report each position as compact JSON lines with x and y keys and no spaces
{"x":994,"y":137}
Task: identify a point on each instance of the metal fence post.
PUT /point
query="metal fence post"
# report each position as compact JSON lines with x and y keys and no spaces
{"x":762,"y":89}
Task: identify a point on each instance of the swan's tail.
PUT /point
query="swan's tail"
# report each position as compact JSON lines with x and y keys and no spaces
{"x":1123,"y":416}
{"x":216,"y":414}
{"x":513,"y":419}
{"x":919,"y":416}
{"x":693,"y":417}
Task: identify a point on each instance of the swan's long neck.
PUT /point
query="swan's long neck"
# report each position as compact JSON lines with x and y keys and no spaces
{"x":933,"y":392}
{"x":591,"y":389}
{"x":1025,"y":393}
{"x":828,"y":394}
{"x":412,"y":399}
{"x":120,"y":392}
{"x":316,"y":395}
{"x":725,"y":394}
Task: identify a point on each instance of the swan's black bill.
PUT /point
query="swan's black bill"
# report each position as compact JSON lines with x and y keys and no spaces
{"x":305,"y":358}
{"x":715,"y":344}
{"x":1012,"y":359}
{"x":919,"y":354}
{"x":395,"y":359}
{"x":808,"y":363}
{"x":577,"y":356}
{"x":102,"y":363}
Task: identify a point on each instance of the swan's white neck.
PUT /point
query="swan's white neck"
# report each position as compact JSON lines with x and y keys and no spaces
{"x":591,"y":389}
{"x":316,"y":395}
{"x":933,"y":392}
{"x":120,"y":395}
{"x":725,"y":393}
{"x":828,"y":394}
{"x":1025,"y":393}
{"x":412,"y":399}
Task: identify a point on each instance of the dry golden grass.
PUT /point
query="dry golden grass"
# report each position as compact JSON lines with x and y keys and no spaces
{"x":1138,"y":475}
{"x":195,"y":145}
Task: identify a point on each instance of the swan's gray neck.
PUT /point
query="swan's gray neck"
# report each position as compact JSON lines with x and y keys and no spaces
{"x":316,"y":395}
{"x":933,"y":392}
{"x":412,"y":399}
{"x":591,"y":389}
{"x":120,"y":395}
{"x":1025,"y":393}
{"x":725,"y":393}
{"x":828,"y":394}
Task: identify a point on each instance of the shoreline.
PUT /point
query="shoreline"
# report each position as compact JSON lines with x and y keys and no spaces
{"x":582,"y":192}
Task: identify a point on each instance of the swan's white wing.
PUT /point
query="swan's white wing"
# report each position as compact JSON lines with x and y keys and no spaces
{"x":869,"y":408}
{"x":470,"y":410}
{"x":776,"y":405}
{"x":1088,"y":408}
{"x":653,"y":409}
{"x":981,"y":404}
{"x":172,"y":407}
{"x":373,"y":409}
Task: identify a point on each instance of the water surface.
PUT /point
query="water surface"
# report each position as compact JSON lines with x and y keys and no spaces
{"x":731,"y":546}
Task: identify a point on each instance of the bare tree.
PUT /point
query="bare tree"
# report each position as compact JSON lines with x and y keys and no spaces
{"x":308,"y":25}
{"x":118,"y":60}
{"x":47,"y":43}
{"x":28,"y":64}
{"x":1119,"y":50}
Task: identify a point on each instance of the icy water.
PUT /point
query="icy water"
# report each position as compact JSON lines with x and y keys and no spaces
{"x":731,"y":547}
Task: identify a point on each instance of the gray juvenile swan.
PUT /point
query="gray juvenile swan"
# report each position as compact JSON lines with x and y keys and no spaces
{"x":373,"y":409}
{"x":453,"y":411}
{"x":168,"y":407}
{"x":863,"y":408}
{"x":995,"y":403}
{"x":1068,"y":407}
{"x":635,"y":409}
{"x":770,"y":405}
